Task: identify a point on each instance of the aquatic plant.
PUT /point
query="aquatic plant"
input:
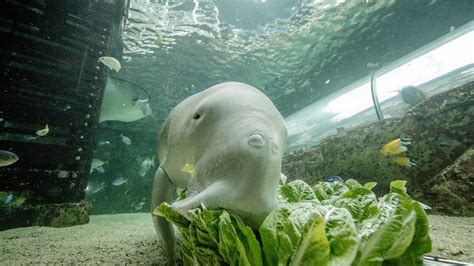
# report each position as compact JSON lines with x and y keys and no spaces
{"x":328,"y":224}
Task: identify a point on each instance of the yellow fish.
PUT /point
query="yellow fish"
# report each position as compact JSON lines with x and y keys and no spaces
{"x":403,"y":161}
{"x":43,"y":132}
{"x":189,"y":168}
{"x":395,"y":147}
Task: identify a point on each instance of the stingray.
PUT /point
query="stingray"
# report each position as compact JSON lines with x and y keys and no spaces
{"x":121,"y":102}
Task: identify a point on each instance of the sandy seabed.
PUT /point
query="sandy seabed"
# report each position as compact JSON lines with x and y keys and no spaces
{"x":130,"y":238}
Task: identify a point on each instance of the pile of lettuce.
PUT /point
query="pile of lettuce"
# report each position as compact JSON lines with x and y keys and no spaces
{"x":328,"y":224}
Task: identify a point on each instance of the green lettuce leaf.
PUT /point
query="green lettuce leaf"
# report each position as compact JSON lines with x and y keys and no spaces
{"x":171,"y":215}
{"x":352,"y":183}
{"x":297,"y":191}
{"x":398,"y":186}
{"x":327,"y":190}
{"x":237,"y":242}
{"x":213,"y":237}
{"x":388,"y":234}
{"x":313,"y":249}
{"x":342,"y":235}
{"x":294,"y":234}
{"x":421,"y":243}
{"x":205,"y":227}
{"x":370,"y":185}
{"x":199,"y":245}
{"x":359,"y":201}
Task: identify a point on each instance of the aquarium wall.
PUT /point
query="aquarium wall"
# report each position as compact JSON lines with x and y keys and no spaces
{"x":431,"y":69}
{"x":52,"y":86}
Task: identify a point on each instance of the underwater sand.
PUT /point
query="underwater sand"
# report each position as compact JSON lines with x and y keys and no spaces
{"x":130,"y":238}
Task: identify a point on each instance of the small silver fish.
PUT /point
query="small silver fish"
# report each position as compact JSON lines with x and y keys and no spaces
{"x":125,"y":139}
{"x":30,"y":137}
{"x":94,"y":187}
{"x":7,"y":158}
{"x":119,"y":181}
{"x":103,"y":142}
{"x":96,"y":163}
{"x":9,"y":199}
{"x":145,"y":166}
{"x":98,"y":188}
{"x":43,"y":132}
{"x":139,"y":205}
{"x":110,"y":62}
{"x":100,"y":169}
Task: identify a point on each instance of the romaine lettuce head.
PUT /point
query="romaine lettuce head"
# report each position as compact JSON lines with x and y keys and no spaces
{"x":330,"y":224}
{"x":213,"y":237}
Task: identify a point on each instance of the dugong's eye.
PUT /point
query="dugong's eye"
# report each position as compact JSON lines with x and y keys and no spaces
{"x":196,"y":116}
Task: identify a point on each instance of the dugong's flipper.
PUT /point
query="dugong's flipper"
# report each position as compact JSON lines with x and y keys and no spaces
{"x":162,"y":192}
{"x":211,"y":197}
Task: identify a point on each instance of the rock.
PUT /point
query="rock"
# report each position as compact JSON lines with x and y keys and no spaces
{"x":63,"y":214}
{"x":454,"y":251}
{"x":450,"y":191}
{"x":53,"y":215}
{"x":442,"y":129}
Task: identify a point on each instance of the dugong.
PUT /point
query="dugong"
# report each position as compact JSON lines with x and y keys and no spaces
{"x":234,"y":138}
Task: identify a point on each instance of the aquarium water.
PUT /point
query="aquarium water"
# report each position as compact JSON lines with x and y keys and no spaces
{"x":249,"y":132}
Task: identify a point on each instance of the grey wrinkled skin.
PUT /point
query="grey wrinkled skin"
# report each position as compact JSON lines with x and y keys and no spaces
{"x":234,"y":137}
